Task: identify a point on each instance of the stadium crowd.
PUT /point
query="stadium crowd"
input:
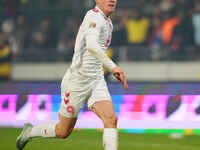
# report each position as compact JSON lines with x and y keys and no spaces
{"x":144,"y":30}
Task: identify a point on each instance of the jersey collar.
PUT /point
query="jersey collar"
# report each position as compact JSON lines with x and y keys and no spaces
{"x":102,"y":13}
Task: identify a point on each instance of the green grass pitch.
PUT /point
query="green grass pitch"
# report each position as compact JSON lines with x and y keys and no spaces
{"x":92,"y":140}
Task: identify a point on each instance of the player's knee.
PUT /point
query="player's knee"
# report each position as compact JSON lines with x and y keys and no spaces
{"x":110,"y":120}
{"x":63,"y":133}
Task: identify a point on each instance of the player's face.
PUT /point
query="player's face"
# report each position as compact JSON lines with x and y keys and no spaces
{"x":107,"y":6}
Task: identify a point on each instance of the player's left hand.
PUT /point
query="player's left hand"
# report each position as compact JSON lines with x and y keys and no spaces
{"x":119,"y":74}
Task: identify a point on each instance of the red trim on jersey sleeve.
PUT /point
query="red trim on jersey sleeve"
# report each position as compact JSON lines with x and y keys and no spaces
{"x":95,"y":10}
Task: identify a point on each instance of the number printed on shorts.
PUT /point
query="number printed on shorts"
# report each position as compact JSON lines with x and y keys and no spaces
{"x":70,"y":109}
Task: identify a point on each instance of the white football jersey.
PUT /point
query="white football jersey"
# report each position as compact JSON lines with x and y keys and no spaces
{"x":83,"y":62}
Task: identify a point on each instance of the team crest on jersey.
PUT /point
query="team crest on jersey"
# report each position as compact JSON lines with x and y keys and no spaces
{"x":92,"y":25}
{"x":95,"y":10}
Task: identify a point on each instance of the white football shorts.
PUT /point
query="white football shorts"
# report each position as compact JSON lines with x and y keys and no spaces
{"x":78,"y":91}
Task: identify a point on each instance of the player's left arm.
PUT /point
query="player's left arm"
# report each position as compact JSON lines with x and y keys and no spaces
{"x":94,"y":24}
{"x":94,"y":48}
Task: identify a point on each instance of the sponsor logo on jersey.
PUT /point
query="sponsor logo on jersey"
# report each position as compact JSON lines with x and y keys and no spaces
{"x":95,"y":10}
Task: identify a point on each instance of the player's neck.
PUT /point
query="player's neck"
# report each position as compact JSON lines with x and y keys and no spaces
{"x":106,"y":14}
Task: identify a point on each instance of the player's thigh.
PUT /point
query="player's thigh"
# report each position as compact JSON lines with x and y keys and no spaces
{"x":99,"y":93}
{"x":100,"y":102}
{"x":66,"y":124}
{"x":104,"y":109}
{"x":72,"y":99}
{"x":71,"y":104}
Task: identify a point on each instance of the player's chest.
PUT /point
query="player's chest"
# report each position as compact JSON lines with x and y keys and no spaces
{"x":106,"y":34}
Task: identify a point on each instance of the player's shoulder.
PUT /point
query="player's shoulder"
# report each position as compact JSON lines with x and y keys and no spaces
{"x":94,"y":14}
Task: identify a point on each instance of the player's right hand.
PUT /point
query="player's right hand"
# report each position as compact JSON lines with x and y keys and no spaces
{"x":119,"y":74}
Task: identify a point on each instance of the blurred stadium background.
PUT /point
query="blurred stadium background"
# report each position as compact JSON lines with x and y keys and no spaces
{"x":156,"y":42}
